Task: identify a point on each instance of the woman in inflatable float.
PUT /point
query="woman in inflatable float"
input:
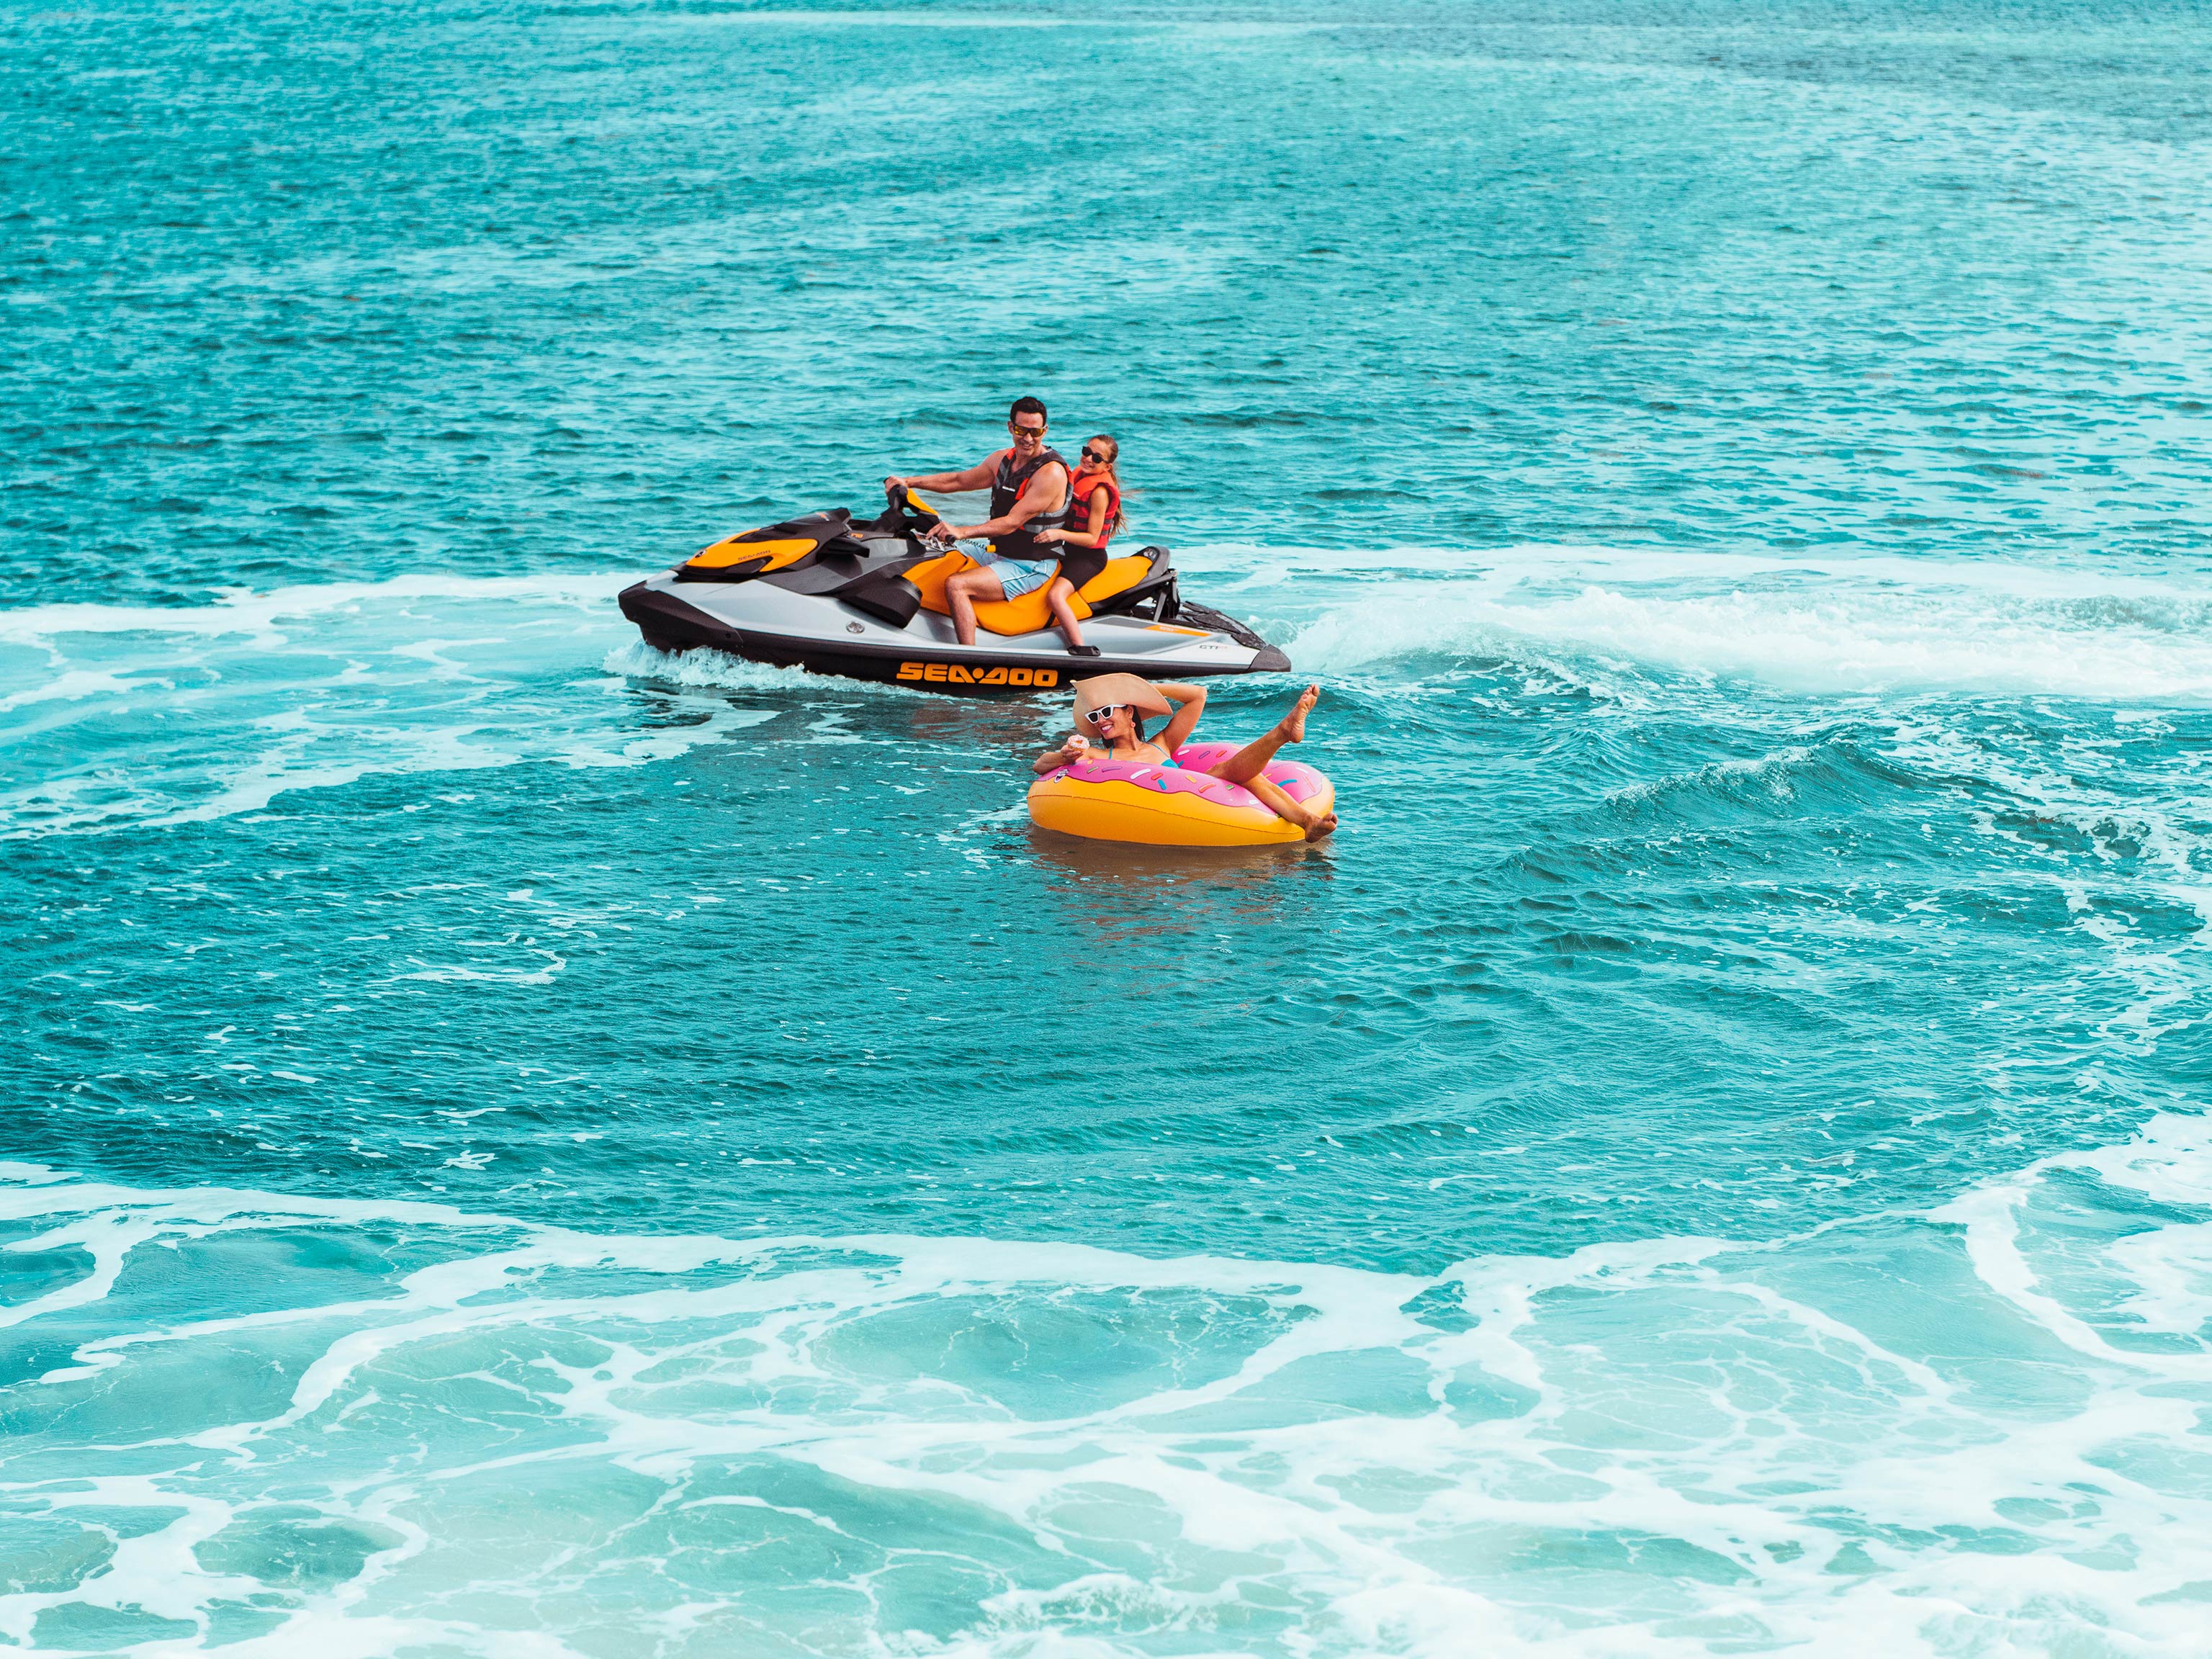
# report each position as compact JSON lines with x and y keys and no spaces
{"x":1167,"y":792}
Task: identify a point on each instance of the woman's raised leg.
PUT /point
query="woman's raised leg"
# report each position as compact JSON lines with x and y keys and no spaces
{"x":1245,"y":764}
{"x":1277,"y":800}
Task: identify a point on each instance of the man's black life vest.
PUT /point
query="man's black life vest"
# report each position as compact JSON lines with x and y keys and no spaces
{"x":1013,"y":477}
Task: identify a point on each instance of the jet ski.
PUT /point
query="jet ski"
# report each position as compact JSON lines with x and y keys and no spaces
{"x":866,"y":600}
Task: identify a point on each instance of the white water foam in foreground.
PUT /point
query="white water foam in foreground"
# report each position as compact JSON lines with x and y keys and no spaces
{"x":1975,"y":1431}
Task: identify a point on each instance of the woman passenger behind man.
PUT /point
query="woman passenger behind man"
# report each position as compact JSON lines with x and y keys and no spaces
{"x":1096,"y":492}
{"x":1122,"y":725}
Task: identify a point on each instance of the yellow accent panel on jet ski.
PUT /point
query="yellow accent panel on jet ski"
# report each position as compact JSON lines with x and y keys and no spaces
{"x":931,"y":577}
{"x":736,"y":550}
{"x":1031,"y":612}
{"x":1023,"y":616}
{"x":1118,"y":577}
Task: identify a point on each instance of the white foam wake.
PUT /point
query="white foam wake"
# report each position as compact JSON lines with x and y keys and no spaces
{"x":1964,"y":1434}
{"x":1823,"y":625}
{"x":270,"y":617}
{"x":138,"y":715}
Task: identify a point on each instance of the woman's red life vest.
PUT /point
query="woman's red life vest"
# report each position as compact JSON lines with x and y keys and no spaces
{"x":1078,"y":512}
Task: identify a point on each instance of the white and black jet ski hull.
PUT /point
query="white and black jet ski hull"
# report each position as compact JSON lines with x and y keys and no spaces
{"x":862,"y":649}
{"x":775,"y":619}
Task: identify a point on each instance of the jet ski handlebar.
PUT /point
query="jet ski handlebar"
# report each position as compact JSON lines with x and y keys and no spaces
{"x":908,"y":511}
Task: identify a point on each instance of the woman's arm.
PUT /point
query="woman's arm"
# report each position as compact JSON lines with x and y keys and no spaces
{"x":1090,"y":538}
{"x":1077,"y":748}
{"x":1190,"y":701}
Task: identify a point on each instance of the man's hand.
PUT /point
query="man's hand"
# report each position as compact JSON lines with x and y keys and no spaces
{"x":948,"y":534}
{"x":895,"y":488}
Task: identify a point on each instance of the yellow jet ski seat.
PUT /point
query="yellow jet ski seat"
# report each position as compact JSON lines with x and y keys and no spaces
{"x":1030,"y":613}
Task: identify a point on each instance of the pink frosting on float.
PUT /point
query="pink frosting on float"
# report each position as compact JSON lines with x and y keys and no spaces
{"x":1297,"y":780}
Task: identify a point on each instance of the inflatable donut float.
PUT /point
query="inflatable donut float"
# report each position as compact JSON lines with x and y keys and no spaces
{"x":1157,"y":806}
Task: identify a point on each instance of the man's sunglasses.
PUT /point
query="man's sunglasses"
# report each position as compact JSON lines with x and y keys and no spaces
{"x":1025,"y":431}
{"x":1100,"y":716}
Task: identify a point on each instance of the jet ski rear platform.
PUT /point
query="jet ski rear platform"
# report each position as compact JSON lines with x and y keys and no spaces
{"x":861,"y":600}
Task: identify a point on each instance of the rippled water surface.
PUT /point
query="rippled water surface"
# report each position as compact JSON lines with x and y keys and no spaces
{"x":525,"y":1146}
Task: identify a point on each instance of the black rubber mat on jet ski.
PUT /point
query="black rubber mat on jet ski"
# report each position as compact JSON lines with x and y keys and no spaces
{"x":1206,"y":616}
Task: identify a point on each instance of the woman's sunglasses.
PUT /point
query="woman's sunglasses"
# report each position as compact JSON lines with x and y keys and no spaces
{"x":1094,"y":458}
{"x":1100,"y":716}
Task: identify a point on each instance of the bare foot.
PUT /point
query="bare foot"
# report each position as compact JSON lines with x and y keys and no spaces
{"x":1325,"y":824}
{"x":1294,"y":723}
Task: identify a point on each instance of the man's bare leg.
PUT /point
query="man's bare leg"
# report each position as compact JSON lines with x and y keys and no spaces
{"x":1245,"y":764}
{"x":961,"y":593}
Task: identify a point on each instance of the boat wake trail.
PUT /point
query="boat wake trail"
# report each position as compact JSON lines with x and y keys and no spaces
{"x":1839,"y":626}
{"x":131,"y":716}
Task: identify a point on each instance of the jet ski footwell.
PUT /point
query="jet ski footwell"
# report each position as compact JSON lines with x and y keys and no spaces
{"x":761,"y":597}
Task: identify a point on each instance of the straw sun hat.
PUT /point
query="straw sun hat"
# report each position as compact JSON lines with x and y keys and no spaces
{"x":1106,"y":689}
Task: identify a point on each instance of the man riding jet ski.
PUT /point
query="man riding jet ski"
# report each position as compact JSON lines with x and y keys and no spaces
{"x":870,"y":601}
{"x":1049,"y":523}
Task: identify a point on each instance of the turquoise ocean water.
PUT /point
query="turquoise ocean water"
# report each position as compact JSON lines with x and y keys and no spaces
{"x":519,"y":1146}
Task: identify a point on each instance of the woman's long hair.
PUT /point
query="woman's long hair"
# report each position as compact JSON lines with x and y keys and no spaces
{"x":1113,"y":449}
